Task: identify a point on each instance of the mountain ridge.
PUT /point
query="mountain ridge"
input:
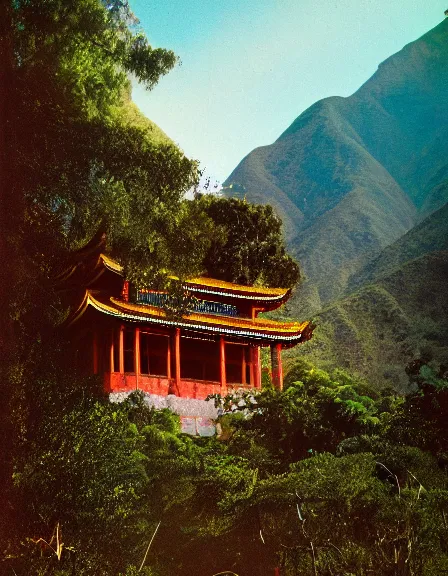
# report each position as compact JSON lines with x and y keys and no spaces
{"x":351,"y":175}
{"x":396,"y":311}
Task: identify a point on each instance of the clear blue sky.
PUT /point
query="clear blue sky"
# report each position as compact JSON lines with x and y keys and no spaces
{"x":250,"y":67}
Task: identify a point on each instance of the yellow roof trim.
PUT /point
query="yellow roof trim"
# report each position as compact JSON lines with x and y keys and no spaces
{"x":213,"y":283}
{"x":227,"y":321}
{"x":111,"y":264}
{"x":259,"y":329}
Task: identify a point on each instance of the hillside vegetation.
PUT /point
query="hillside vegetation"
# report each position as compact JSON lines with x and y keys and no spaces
{"x":377,"y":331}
{"x":431,"y":235}
{"x":397,"y":310}
{"x":130,"y":114}
{"x":362,"y":186}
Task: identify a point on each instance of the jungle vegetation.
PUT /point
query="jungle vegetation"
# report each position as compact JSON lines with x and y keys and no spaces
{"x":326,"y":477}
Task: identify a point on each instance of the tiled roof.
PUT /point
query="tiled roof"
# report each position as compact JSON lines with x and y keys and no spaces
{"x":256,"y":329}
{"x":206,"y":285}
{"x":210,"y":284}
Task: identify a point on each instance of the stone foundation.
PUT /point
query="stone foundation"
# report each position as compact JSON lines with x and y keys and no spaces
{"x":196,"y":416}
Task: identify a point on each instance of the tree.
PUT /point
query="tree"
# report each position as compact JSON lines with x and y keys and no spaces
{"x":360,"y":501}
{"x":84,"y":473}
{"x":248,"y":247}
{"x":104,"y":475}
{"x":72,"y":162}
{"x":422,"y":418}
{"x":314,"y":413}
{"x":71,"y":165}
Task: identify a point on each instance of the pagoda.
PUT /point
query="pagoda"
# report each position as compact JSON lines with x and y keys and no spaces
{"x":125,"y":334}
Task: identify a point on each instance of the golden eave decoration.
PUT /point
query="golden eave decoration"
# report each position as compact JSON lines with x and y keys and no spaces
{"x":256,"y":329}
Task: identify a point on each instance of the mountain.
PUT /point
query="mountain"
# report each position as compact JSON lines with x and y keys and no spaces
{"x":352,"y":175}
{"x":431,"y":235}
{"x":398,"y":313}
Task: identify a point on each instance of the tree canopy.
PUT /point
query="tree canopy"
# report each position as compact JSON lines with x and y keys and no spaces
{"x":315,"y":479}
{"x":247,"y":247}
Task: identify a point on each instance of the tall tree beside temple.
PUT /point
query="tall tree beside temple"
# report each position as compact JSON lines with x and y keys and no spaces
{"x":70,"y":165}
{"x":248,"y":245}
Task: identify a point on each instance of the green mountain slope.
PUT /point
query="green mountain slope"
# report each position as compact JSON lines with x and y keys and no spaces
{"x":377,"y":331}
{"x":351,"y":175}
{"x":398,"y":310}
{"x":436,"y":193}
{"x":431,"y":235}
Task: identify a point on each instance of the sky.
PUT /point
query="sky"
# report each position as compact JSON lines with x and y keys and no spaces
{"x":250,"y":67}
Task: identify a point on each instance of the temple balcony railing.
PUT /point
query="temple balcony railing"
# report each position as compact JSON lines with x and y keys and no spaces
{"x":161,"y":299}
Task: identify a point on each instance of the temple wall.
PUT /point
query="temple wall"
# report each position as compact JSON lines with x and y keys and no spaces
{"x":117,"y":382}
{"x":159,"y":385}
{"x":196,"y":416}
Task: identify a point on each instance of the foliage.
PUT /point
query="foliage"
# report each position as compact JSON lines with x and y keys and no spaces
{"x":104,"y":474}
{"x":422,"y":420}
{"x":86,"y":465}
{"x":314,"y":479}
{"x":248,"y":247}
{"x":371,"y":506}
{"x":72,"y":158}
{"x":313,"y":414}
{"x":324,"y":477}
{"x":76,"y":163}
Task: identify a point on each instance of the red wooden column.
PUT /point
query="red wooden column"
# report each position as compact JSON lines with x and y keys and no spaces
{"x":112,"y":352}
{"x":256,"y":366}
{"x":137,"y":355}
{"x":276,"y":364}
{"x":243,"y":365}
{"x":121,"y":350}
{"x":168,"y":358}
{"x":125,"y":291}
{"x":177,"y":358}
{"x":222,"y":366}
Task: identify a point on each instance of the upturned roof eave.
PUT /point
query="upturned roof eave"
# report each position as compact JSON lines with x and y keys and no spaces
{"x":256,"y":330}
{"x":214,"y":287}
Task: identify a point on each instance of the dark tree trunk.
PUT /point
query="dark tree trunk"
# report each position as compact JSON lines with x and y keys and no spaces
{"x":7,"y":337}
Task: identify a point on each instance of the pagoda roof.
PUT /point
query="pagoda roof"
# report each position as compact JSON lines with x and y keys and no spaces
{"x":111,"y":264}
{"x":100,"y":263}
{"x":77,"y":272}
{"x":212,"y":286}
{"x":259,"y":329}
